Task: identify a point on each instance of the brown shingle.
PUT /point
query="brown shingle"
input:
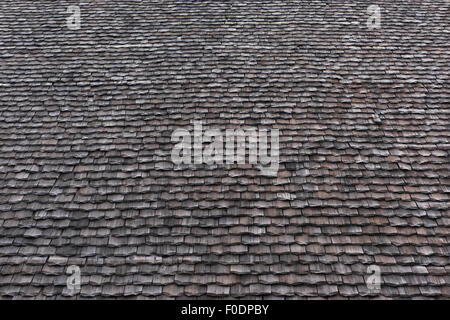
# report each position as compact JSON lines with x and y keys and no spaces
{"x":87,"y":179}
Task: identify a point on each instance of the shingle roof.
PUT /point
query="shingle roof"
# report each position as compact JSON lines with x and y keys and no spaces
{"x":86,"y":174}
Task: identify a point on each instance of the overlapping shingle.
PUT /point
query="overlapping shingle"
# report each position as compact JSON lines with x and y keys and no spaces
{"x":85,"y":137}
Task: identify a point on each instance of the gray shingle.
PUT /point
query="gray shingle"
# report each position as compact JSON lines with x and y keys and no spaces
{"x":87,"y":179}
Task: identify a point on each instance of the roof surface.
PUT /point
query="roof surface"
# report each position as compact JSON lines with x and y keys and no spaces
{"x":86,"y":175}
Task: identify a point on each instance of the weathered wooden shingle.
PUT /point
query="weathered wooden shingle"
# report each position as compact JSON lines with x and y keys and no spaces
{"x":86,"y":176}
